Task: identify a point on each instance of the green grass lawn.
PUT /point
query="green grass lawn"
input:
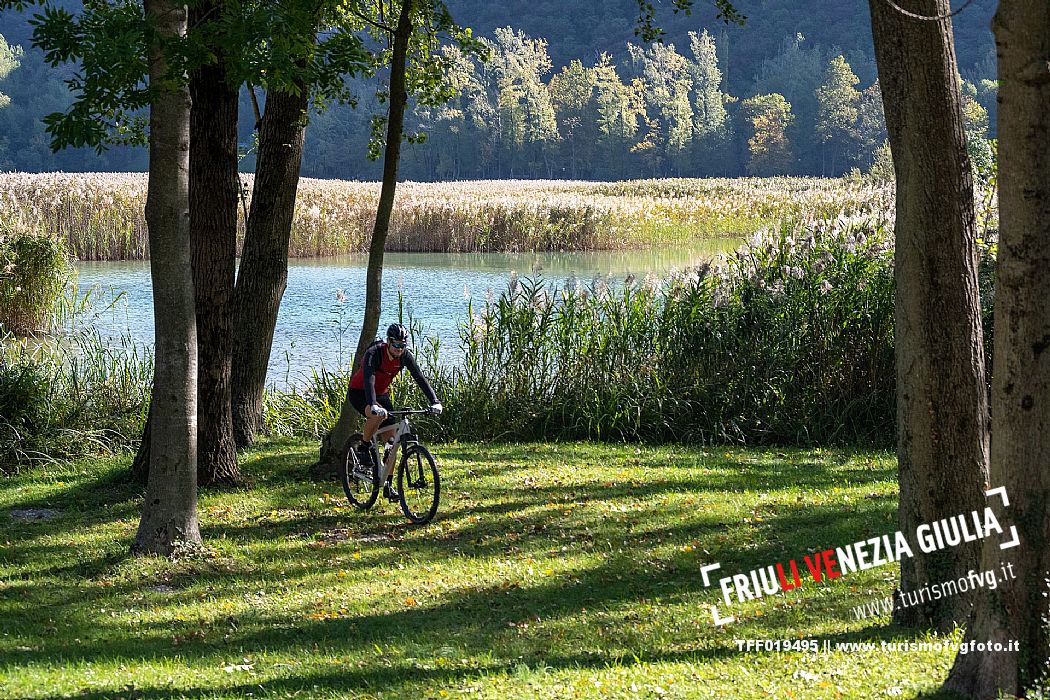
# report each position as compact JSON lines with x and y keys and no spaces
{"x":551,"y":571}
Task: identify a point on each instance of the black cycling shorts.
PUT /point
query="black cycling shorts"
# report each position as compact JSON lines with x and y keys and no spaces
{"x":358,"y":400}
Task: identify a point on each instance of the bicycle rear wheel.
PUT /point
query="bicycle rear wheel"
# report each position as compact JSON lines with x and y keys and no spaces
{"x":360,"y":481}
{"x":419,"y":484}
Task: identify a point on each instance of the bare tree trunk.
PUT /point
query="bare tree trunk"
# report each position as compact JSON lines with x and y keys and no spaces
{"x":1019,"y":608}
{"x":942,"y":412}
{"x":263,"y":274}
{"x":140,"y":464}
{"x":374,"y":275}
{"x":169,"y":515}
{"x":213,"y":231}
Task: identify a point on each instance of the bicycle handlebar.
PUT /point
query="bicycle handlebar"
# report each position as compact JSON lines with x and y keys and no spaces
{"x":408,"y":411}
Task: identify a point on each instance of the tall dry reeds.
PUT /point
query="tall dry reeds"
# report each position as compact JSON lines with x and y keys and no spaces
{"x":34,"y":270}
{"x":101,"y":214}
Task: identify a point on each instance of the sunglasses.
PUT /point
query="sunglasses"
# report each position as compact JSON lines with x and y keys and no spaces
{"x":400,"y":345}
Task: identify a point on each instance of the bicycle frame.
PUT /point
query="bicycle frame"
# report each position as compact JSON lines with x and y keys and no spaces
{"x":418,"y":484}
{"x":402,"y":429}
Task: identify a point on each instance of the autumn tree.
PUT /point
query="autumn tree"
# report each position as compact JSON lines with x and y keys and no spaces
{"x":666,"y":83}
{"x":9,"y":56}
{"x":975,"y":119}
{"x":450,"y":147}
{"x":710,"y":119}
{"x":838,"y":104}
{"x":619,"y":108}
{"x":796,"y":72}
{"x":870,"y":130}
{"x":526,"y":111}
{"x":769,"y":147}
{"x":572,"y":94}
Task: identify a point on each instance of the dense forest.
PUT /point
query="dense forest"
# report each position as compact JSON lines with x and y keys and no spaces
{"x":570,"y":92}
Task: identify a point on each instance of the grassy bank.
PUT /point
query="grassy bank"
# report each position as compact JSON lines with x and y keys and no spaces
{"x":101,"y":214}
{"x":553,"y":571}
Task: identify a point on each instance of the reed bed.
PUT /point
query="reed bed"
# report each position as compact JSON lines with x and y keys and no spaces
{"x":790,"y":340}
{"x":787,"y":341}
{"x":64,"y":397}
{"x":34,"y":271}
{"x":101,"y":214}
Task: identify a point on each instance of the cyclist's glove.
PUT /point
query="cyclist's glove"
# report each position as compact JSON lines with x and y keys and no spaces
{"x":436,"y":409}
{"x":378,"y":411}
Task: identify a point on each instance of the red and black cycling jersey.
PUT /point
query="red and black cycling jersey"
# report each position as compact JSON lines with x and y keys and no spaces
{"x":378,"y":369}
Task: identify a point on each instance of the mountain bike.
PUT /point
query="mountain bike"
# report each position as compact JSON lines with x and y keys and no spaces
{"x":418,"y":480}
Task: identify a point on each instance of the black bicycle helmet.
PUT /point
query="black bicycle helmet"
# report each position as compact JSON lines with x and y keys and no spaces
{"x":397,"y":332}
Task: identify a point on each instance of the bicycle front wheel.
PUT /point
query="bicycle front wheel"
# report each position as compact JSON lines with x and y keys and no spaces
{"x":360,"y":480}
{"x":419,"y":484}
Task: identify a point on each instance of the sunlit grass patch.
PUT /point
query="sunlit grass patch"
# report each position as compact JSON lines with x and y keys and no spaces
{"x":554,"y":570}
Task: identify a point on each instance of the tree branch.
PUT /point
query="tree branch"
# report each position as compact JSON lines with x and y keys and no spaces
{"x":371,"y":22}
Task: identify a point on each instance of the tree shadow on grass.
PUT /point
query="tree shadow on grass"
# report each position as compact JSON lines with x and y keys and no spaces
{"x":477,"y":618}
{"x":407,"y":676}
{"x":399,"y":679}
{"x":95,"y":497}
{"x":471,"y":616}
{"x":530,"y":517}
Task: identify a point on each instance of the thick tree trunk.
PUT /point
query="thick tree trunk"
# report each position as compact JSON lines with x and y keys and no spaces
{"x":1019,"y":608}
{"x":140,"y":465}
{"x":169,"y":515}
{"x":374,"y":275}
{"x":213,"y":227}
{"x":213,"y":230}
{"x":942,"y":412}
{"x":263,"y":274}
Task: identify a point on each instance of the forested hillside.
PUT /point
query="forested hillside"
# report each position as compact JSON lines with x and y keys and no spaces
{"x":571,"y":92}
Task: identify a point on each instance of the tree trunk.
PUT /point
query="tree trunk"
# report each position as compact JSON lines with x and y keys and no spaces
{"x":214,"y":188}
{"x":140,"y":465}
{"x":942,"y":411}
{"x":263,"y":273}
{"x":1018,"y":609}
{"x":374,"y":275}
{"x":169,"y":515}
{"x":213,"y":224}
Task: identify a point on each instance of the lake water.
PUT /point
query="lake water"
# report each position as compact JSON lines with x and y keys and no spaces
{"x":314,"y":329}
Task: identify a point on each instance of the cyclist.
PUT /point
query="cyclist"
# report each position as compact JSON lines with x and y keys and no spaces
{"x":369,"y":394}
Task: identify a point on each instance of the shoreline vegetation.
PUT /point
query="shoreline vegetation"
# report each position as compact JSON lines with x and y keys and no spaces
{"x":100,"y":215}
{"x":789,"y":340}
